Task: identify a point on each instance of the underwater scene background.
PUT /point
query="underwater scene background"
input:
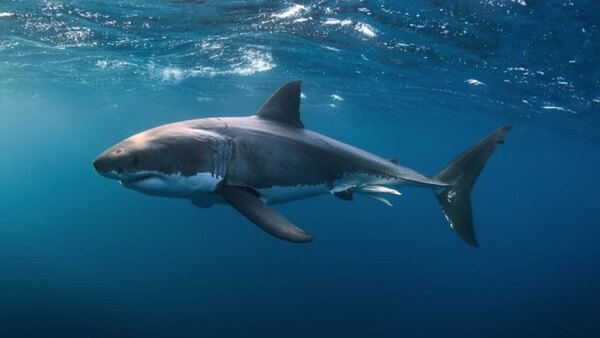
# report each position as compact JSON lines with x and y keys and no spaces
{"x":414,"y":80}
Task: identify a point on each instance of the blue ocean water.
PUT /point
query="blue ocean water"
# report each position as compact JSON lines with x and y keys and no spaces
{"x":414,"y":80}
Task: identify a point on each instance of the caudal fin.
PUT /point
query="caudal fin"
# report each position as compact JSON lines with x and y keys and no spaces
{"x":461,"y":175}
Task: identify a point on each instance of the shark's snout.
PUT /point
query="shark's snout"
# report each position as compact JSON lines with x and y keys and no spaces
{"x":106,"y":167}
{"x":109,"y":162}
{"x":100,"y":164}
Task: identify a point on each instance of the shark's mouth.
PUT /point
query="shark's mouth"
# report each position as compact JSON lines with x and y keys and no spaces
{"x":137,"y":179}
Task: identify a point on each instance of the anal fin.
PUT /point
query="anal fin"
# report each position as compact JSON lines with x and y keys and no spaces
{"x":267,"y":218}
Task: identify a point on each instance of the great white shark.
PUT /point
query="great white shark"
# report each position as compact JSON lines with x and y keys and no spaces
{"x":254,"y":162}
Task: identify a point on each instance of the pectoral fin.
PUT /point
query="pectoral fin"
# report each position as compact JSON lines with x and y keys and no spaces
{"x":251,"y":206}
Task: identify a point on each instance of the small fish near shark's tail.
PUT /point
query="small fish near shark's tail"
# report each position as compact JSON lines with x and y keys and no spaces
{"x":461,"y":175}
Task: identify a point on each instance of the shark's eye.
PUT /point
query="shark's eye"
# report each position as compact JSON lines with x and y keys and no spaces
{"x":118,"y":151}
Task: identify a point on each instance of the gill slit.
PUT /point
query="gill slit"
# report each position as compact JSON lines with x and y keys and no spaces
{"x":222,"y":151}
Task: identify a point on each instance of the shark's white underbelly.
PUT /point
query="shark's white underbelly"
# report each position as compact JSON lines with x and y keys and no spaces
{"x":281,"y":194}
{"x":359,"y":183}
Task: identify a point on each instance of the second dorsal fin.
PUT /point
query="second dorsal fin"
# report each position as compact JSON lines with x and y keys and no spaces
{"x":284,"y":105}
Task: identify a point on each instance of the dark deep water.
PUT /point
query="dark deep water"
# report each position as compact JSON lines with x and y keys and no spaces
{"x":417,"y":80}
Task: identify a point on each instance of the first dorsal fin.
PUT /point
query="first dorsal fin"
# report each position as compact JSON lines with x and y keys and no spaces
{"x":284,"y":105}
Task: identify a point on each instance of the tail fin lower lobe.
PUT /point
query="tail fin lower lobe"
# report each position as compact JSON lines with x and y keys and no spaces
{"x":461,"y":175}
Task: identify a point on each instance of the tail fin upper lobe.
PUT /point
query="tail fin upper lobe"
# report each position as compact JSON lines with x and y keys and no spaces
{"x":461,"y":174}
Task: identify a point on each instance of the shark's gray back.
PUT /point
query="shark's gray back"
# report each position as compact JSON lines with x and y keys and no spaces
{"x":267,"y":153}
